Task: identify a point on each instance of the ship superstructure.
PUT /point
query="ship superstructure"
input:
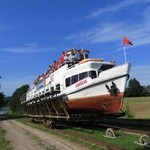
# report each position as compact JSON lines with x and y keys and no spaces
{"x":88,"y":85}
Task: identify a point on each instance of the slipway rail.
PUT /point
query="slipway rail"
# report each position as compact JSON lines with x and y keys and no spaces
{"x":112,"y":127}
{"x":88,"y":139}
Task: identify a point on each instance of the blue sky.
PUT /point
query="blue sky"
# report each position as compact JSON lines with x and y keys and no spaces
{"x":33,"y":33}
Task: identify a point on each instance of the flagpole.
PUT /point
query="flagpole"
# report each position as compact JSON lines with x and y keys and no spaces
{"x":125,"y":59}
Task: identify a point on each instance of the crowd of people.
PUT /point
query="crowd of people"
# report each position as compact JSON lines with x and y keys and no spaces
{"x":71,"y":57}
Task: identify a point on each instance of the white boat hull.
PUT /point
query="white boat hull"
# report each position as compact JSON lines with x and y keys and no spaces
{"x":96,"y":97}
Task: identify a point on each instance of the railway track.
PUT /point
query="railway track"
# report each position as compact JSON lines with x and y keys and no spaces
{"x":109,"y":146}
{"x":141,"y":127}
{"x":135,"y":126}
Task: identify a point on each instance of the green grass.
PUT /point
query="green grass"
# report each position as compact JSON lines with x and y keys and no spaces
{"x":139,"y":106}
{"x":137,"y":99}
{"x":4,"y":144}
{"x":124,"y":140}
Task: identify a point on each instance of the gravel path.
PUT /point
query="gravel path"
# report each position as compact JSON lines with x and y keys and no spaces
{"x":23,"y":137}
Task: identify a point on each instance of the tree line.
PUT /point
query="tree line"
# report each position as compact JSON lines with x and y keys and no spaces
{"x":2,"y":99}
{"x":134,"y":89}
{"x":13,"y":102}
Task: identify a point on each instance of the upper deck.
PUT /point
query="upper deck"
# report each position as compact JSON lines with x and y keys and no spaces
{"x":67,"y":73}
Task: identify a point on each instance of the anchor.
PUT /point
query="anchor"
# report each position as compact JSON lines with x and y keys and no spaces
{"x":113,"y":90}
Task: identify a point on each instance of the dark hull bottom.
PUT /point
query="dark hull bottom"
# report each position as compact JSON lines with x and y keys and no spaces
{"x":105,"y":104}
{"x":97,"y":106}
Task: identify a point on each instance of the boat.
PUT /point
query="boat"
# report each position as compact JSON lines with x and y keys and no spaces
{"x":86,"y":86}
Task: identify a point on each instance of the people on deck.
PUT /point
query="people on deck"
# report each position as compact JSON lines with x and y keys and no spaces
{"x":66,"y":58}
{"x":71,"y":57}
{"x":61,"y":59}
{"x":55,"y":65}
{"x":79,"y":56}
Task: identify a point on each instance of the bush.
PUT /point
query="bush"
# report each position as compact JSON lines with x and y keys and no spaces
{"x":129,"y":114}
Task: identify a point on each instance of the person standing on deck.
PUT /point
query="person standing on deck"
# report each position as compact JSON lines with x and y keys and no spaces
{"x":61,"y":59}
{"x":79,"y":56}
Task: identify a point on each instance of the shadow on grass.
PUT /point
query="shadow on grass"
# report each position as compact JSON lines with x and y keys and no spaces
{"x":11,"y":116}
{"x":143,"y":148}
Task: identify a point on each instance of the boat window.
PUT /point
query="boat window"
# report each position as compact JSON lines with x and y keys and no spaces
{"x":86,"y":56}
{"x":83,"y":75}
{"x":74,"y":79}
{"x":92,"y":74}
{"x":52,"y":89}
{"x":105,"y":67}
{"x":67,"y":82}
{"x":58,"y":87}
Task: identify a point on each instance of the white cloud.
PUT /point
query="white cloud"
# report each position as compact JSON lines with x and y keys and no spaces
{"x":138,"y":33}
{"x":27,"y":48}
{"x":114,"y":8}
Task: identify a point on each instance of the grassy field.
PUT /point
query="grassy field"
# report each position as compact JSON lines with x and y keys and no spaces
{"x":138,"y":106}
{"x":124,"y":140}
{"x":4,"y":144}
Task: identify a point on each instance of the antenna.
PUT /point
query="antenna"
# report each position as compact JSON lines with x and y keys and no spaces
{"x":82,"y":47}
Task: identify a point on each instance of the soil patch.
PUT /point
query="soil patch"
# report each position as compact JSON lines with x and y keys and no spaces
{"x":23,"y":137}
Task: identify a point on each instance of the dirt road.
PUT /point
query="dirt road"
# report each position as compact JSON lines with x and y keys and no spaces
{"x":24,"y":137}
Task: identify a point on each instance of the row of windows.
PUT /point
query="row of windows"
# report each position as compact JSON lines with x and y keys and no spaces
{"x":57,"y":88}
{"x":75,"y":78}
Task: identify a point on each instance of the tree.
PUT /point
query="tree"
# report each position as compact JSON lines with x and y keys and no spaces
{"x":14,"y":102}
{"x":134,"y":88}
{"x":2,"y":99}
{"x":7,"y":99}
{"x":146,"y":90}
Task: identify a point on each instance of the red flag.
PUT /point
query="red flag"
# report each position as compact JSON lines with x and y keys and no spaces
{"x":126,"y":41}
